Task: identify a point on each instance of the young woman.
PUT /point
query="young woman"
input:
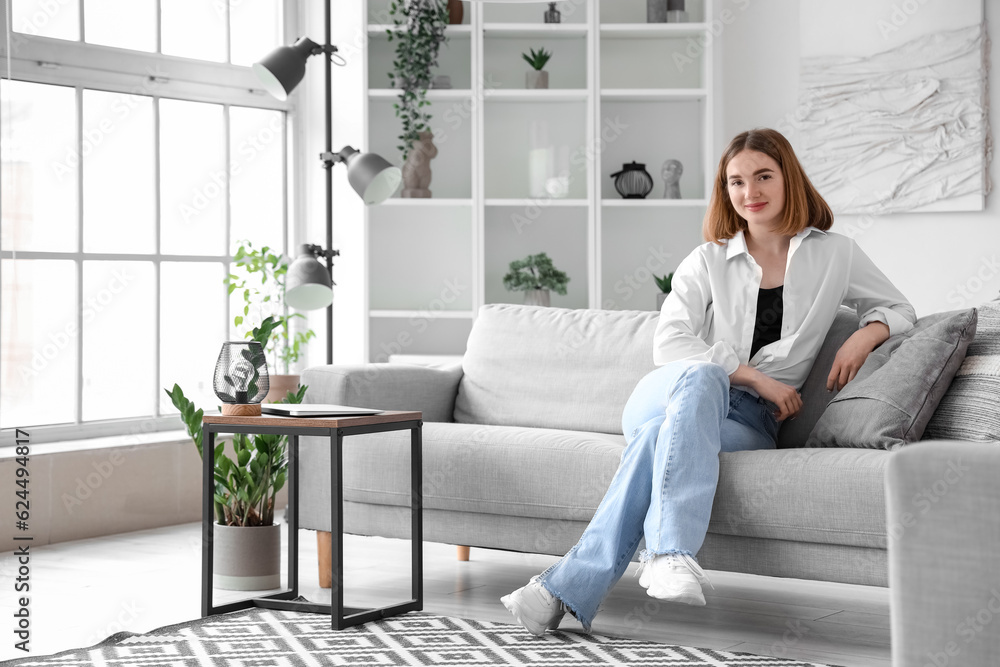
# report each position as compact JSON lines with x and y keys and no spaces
{"x":735,"y":341}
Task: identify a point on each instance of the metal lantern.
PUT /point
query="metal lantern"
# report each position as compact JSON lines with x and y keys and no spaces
{"x":241,"y":378}
{"x":633,"y":181}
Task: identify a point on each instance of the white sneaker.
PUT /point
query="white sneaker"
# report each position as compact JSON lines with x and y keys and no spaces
{"x":534,"y":608}
{"x":674,"y":578}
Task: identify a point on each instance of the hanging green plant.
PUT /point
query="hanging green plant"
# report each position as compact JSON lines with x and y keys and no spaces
{"x":419,"y":33}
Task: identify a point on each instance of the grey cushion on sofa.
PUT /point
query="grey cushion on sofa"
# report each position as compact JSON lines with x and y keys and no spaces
{"x":894,"y":394}
{"x":970,"y":409}
{"x":815,"y":397}
{"x":554,"y":367}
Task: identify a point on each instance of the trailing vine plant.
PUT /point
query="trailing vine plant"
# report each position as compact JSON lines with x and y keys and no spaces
{"x":419,"y":33}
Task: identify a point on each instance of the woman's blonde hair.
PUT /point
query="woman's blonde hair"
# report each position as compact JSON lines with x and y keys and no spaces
{"x":804,"y":206}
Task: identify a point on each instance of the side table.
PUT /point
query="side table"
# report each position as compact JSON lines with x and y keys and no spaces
{"x":337,"y":429}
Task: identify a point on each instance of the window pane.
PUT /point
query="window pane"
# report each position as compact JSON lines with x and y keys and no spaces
{"x":192,"y":178}
{"x":257,"y":196}
{"x":118,"y":176}
{"x":194,"y":29}
{"x":192,"y":330}
{"x":119,"y":351}
{"x":127,"y":24}
{"x":59,"y":19}
{"x":38,"y":337}
{"x":39,"y":167}
{"x":256,"y":29}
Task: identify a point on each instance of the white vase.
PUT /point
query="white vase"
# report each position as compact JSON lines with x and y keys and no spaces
{"x":536,"y":297}
{"x":246,"y":558}
{"x":536,"y":79}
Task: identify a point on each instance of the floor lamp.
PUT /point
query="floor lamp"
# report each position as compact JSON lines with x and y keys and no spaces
{"x":308,"y":284}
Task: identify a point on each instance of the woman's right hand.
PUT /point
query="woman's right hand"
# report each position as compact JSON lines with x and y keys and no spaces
{"x":788,"y":400}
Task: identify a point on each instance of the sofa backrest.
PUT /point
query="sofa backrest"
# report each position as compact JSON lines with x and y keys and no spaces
{"x":554,"y":367}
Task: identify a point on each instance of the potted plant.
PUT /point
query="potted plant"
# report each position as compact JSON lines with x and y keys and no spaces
{"x":663,"y":282}
{"x":537,"y":77}
{"x":247,"y":549}
{"x":261,"y":277}
{"x":535,"y":275}
{"x":419,"y":34}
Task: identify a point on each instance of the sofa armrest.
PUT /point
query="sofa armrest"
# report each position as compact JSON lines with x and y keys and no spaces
{"x":386,"y":387}
{"x":942,"y":509}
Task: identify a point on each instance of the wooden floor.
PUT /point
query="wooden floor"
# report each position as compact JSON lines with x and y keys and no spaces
{"x":81,"y":592}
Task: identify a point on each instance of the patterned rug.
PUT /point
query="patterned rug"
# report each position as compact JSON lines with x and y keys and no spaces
{"x":261,"y":637}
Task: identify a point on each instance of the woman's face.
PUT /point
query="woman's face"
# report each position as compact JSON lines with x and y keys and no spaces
{"x":756,"y":188}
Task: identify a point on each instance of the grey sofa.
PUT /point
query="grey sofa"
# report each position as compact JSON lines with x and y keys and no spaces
{"x":521,"y":441}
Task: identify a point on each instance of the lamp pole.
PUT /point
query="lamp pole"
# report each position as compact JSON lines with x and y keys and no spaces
{"x":329,"y":49}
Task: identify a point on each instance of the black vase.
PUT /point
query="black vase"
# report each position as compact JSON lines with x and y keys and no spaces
{"x":633,"y":181}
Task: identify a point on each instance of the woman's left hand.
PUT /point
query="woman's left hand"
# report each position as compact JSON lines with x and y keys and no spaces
{"x":853,"y":352}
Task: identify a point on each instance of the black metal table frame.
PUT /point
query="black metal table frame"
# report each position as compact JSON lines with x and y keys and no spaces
{"x":341,"y":617}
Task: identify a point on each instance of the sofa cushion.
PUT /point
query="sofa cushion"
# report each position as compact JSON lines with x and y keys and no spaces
{"x":553,"y":367}
{"x":831,"y":496}
{"x":826,"y":496}
{"x":815,"y":397}
{"x":894,"y":394}
{"x":970,"y":409}
{"x":528,"y":472}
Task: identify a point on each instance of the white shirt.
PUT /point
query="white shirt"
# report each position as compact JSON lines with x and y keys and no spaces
{"x":711,"y":311}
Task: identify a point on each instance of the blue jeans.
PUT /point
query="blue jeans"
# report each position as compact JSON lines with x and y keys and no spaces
{"x":677,"y":420}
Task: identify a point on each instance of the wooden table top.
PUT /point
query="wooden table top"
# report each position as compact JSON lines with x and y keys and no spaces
{"x":387,"y":417}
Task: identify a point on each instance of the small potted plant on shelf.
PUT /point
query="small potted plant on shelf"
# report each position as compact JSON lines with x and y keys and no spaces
{"x":419,"y":33}
{"x":261,"y":277}
{"x":247,"y":548}
{"x":537,"y":77}
{"x":535,"y":275}
{"x":663,"y":282}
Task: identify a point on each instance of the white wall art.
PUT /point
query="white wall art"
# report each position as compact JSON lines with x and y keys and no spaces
{"x":893,"y":104}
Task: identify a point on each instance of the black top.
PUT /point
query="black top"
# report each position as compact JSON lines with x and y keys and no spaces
{"x":768,"y":327}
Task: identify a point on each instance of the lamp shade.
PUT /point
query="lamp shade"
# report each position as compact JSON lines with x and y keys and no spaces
{"x":307,"y":284}
{"x":371,"y":175}
{"x":241,"y":377}
{"x":282,"y":69}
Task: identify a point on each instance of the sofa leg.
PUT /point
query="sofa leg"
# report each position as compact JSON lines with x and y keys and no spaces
{"x":324,"y":545}
{"x":463,"y":552}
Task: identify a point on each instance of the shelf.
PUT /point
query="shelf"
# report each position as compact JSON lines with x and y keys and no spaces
{"x":463,"y":30}
{"x":652,"y":94}
{"x":534,"y":95}
{"x":651,"y":30}
{"x":541,"y":202}
{"x":529,"y":30}
{"x":431,"y":201}
{"x":653,"y":203}
{"x":429,"y":314}
{"x":432,"y":94}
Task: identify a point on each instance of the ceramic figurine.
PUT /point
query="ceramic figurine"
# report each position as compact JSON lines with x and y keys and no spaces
{"x":671,"y":173}
{"x":417,"y":169}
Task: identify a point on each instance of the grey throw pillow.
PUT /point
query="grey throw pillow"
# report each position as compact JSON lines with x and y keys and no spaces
{"x":894,"y":394}
{"x":970,"y":409}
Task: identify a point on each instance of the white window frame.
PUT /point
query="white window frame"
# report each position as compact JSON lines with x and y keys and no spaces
{"x":83,"y":66}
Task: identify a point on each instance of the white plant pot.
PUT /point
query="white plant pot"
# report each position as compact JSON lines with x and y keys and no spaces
{"x":247,"y":558}
{"x":660,"y":298}
{"x":537,"y":79}
{"x":536,"y":297}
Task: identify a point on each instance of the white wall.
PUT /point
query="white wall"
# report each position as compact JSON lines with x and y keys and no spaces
{"x":932,"y":257}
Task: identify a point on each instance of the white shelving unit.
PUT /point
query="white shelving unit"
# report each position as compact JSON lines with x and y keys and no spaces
{"x":620,"y":90}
